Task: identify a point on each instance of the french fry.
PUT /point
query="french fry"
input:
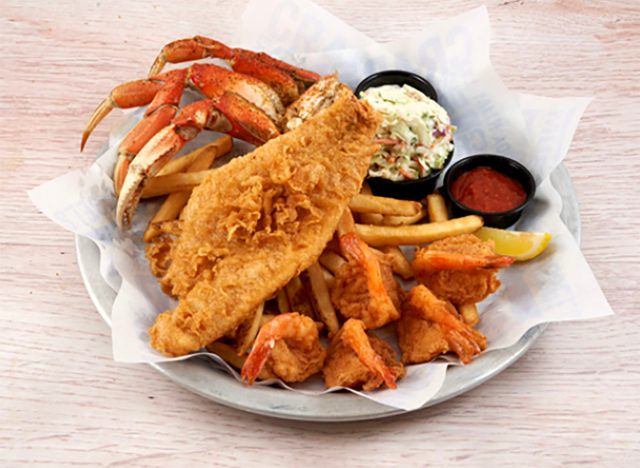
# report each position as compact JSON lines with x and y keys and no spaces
{"x":469,"y":314}
{"x":325,"y":309}
{"x":417,"y":233}
{"x":283,"y":302}
{"x":399,"y":263}
{"x":247,"y":340}
{"x":379,"y":253}
{"x":169,"y":210}
{"x":437,"y":208}
{"x":369,"y":218}
{"x":211,"y":151}
{"x":331,"y":261}
{"x":265,"y":318}
{"x":178,"y":182}
{"x":333,"y":245}
{"x":361,"y":203}
{"x":346,"y":223}
{"x":164,"y":184}
{"x":227,"y":353}
{"x":298,"y":299}
{"x":328,"y":277}
{"x":388,"y":220}
{"x":172,"y":206}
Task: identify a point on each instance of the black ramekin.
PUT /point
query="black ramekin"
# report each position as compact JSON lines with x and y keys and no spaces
{"x":408,"y":189}
{"x":506,"y":166}
{"x":404,"y":189}
{"x":397,"y":77}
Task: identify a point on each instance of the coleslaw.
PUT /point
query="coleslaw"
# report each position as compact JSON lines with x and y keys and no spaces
{"x":416,"y":135}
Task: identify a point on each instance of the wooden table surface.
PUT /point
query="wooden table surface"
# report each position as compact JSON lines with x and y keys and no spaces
{"x":572,"y":399}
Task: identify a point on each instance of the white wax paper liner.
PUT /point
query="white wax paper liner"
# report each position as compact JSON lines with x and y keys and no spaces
{"x":454,"y":56}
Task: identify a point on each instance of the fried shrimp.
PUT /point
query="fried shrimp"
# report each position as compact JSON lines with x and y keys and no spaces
{"x":460,"y":337}
{"x":365,"y":288}
{"x":287,"y":347}
{"x":359,"y":360}
{"x":420,"y":340}
{"x":460,"y":269}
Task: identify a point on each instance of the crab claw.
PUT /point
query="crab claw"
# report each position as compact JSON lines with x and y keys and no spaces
{"x":162,"y":93}
{"x":100,"y":113}
{"x":155,"y":154}
{"x":230,"y":114}
{"x":132,"y":94}
{"x":159,"y":114}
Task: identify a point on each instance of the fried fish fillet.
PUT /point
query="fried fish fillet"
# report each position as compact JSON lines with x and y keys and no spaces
{"x":260,"y":220}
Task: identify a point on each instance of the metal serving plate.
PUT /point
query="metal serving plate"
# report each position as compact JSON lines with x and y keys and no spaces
{"x":198,"y":375}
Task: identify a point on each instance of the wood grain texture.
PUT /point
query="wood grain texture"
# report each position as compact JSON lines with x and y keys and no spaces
{"x":573,"y":399}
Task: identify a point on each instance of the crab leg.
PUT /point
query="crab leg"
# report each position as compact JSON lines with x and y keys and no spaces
{"x":132,"y":94}
{"x":230,"y":114}
{"x":281,"y":82}
{"x":243,"y":120}
{"x":213,"y":81}
{"x":158,"y":115}
{"x":305,"y":77}
{"x":136,"y":139}
{"x":162,"y":93}
{"x":288,"y":81}
{"x":193,"y":48}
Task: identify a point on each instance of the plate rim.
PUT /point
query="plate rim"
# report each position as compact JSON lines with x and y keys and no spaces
{"x":195,"y":374}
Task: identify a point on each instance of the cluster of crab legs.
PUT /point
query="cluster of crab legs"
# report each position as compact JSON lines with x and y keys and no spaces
{"x":247,"y":102}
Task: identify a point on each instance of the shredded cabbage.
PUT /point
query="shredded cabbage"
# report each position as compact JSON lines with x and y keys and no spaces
{"x":415,"y":137}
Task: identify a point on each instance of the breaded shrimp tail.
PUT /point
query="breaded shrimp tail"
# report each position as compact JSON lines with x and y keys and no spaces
{"x":262,"y":219}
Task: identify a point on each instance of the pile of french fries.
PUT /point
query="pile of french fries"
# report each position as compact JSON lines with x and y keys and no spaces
{"x":173,"y":180}
{"x":383,"y":223}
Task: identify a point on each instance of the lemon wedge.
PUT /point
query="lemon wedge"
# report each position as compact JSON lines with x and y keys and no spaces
{"x":518,"y":244}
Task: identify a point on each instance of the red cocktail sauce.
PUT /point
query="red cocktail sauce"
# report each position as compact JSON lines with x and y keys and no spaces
{"x":487,"y":190}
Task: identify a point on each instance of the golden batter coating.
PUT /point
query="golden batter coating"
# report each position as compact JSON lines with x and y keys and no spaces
{"x":360,"y":360}
{"x":455,"y":285}
{"x":260,"y":220}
